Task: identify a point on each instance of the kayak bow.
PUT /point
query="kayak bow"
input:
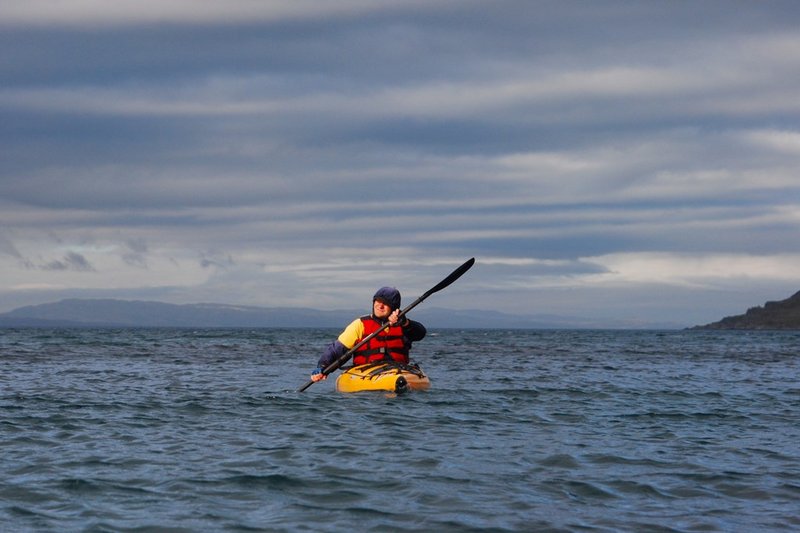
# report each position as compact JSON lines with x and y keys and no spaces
{"x":382,"y":376}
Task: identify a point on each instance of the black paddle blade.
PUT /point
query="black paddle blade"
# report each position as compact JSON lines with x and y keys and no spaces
{"x":457,"y":273}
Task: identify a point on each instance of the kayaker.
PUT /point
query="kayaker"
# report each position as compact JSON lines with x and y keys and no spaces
{"x":393,"y":344}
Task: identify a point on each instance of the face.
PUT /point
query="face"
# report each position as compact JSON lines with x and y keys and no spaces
{"x":380,"y":309}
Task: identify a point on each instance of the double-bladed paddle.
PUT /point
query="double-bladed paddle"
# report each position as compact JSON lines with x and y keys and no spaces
{"x":454,"y":275}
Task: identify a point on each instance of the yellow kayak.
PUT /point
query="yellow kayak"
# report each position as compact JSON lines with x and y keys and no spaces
{"x":382,"y":375}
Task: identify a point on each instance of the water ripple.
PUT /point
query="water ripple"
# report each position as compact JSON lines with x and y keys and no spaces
{"x":136,"y":430}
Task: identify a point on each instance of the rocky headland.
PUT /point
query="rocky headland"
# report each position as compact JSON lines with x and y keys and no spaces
{"x":784,"y":314}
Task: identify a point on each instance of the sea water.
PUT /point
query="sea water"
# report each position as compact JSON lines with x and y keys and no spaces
{"x":203,"y":430}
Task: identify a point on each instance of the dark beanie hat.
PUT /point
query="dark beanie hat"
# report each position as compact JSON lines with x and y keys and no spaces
{"x":388,"y":295}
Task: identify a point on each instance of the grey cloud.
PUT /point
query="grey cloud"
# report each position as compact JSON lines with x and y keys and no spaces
{"x":511,"y":129}
{"x":71,"y":261}
{"x":137,"y":245}
{"x":7,"y":247}
{"x":214,"y":259}
{"x":182,"y":12}
{"x":136,"y":254}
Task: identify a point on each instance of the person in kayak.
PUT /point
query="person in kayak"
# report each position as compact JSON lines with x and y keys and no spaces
{"x":393,"y":344}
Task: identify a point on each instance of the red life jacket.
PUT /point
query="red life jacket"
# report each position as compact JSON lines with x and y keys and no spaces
{"x":385,"y":346}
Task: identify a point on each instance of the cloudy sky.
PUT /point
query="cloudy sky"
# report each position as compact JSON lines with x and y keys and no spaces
{"x":618,"y":160}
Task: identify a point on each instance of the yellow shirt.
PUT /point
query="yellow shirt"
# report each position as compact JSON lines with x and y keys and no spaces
{"x":352,"y":333}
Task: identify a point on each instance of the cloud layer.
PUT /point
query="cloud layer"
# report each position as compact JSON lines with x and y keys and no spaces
{"x":597,"y":158}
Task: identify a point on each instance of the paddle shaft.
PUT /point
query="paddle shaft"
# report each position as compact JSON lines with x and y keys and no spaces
{"x":454,"y":275}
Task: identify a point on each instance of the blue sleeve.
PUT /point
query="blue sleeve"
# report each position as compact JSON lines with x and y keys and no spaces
{"x":334,"y":351}
{"x":414,"y":331}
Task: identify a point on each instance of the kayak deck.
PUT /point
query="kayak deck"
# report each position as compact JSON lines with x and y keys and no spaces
{"x":382,"y":376}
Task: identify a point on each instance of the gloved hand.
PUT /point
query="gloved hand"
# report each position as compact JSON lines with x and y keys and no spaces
{"x":317,"y":375}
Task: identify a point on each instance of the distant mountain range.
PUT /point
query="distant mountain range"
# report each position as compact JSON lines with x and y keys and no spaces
{"x":134,"y":313}
{"x":127,"y":313}
{"x":783,"y":314}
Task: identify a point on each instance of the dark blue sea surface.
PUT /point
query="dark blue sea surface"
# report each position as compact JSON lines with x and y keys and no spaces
{"x":182,"y":430}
